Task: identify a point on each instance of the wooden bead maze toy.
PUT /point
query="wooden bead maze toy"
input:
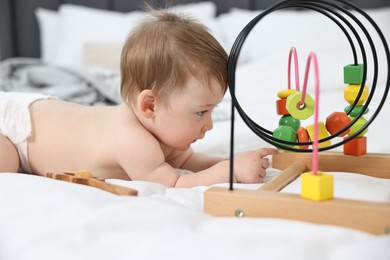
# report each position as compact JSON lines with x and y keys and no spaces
{"x":316,"y":203}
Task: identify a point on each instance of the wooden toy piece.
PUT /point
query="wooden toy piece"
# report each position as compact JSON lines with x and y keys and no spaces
{"x":285,"y":133}
{"x":288,"y":120}
{"x":303,"y":137}
{"x":300,"y":111}
{"x":357,"y":146}
{"x":371,"y":217}
{"x":353,"y":74}
{"x":351,"y":92}
{"x":375,"y":165}
{"x":322,"y":133}
{"x":281,"y":107}
{"x":317,"y":187}
{"x":285,"y":93}
{"x":83,"y":174}
{"x":355,"y":111}
{"x":285,"y":177}
{"x":91,"y":181}
{"x":357,"y":126}
{"x":337,"y":121}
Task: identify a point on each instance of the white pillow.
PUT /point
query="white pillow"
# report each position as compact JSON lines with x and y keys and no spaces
{"x":280,"y":30}
{"x":79,"y":25}
{"x":66,"y":32}
{"x":48,"y":21}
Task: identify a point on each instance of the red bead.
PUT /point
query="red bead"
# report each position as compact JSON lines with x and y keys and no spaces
{"x":357,"y":146}
{"x":303,"y":137}
{"x":281,"y":107}
{"x":337,"y":121}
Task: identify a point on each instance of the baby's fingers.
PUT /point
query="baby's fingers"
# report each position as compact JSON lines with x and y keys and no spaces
{"x":264,"y":163}
{"x":267,"y":151}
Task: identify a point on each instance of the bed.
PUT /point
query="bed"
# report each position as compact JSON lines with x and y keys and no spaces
{"x":43,"y":218}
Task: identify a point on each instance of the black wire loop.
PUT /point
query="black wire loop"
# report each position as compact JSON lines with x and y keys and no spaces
{"x":336,"y":10}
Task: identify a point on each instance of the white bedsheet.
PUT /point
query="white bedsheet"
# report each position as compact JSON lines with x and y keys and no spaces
{"x":42,"y":218}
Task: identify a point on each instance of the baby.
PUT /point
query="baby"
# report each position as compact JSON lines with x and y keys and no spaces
{"x":173,"y":74}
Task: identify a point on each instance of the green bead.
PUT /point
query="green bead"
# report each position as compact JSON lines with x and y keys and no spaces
{"x":285,"y":133}
{"x":355,"y":111}
{"x":353,"y":74}
{"x":357,"y":126}
{"x":305,"y":111}
{"x":288,"y":120}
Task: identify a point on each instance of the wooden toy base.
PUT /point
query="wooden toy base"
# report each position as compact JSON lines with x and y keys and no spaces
{"x":267,"y":202}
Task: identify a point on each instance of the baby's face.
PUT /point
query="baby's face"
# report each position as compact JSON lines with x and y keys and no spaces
{"x":187,"y":116}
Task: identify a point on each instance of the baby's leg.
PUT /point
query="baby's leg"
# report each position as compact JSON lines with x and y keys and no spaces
{"x":9,"y":158}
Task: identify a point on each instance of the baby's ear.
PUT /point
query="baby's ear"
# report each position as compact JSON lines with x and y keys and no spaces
{"x":146,"y":103}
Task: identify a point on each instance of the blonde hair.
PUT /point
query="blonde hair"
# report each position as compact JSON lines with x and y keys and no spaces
{"x":166,"y":49}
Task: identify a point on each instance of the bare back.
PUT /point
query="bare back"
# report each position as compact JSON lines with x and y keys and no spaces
{"x":71,"y":137}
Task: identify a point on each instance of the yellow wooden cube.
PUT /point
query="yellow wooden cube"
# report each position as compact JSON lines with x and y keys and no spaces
{"x":317,"y":187}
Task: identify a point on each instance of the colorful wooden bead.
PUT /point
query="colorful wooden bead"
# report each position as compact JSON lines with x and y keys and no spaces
{"x":356,"y":110}
{"x":300,"y":112}
{"x":353,"y":74}
{"x":351,"y":92}
{"x":285,"y":93}
{"x":322,"y":133}
{"x":357,"y":126}
{"x":281,"y":107}
{"x":285,"y":133}
{"x":290,"y":121}
{"x":357,"y":146}
{"x":337,"y":121}
{"x":303,"y":137}
{"x":317,"y":187}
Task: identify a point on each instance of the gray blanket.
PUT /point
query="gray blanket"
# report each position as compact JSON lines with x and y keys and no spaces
{"x":80,"y":85}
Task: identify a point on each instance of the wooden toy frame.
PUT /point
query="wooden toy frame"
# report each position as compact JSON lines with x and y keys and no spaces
{"x":268,"y":202}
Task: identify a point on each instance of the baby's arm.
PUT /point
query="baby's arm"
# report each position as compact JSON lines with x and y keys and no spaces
{"x":148,"y":163}
{"x":249,"y":168}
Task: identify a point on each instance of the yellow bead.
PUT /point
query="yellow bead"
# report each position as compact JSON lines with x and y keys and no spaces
{"x":357,"y":125}
{"x":305,"y":111}
{"x":285,"y":93}
{"x":351,"y":92}
{"x":317,"y":187}
{"x":322,"y":133}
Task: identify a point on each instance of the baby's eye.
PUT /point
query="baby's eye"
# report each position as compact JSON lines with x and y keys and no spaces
{"x":201,"y":113}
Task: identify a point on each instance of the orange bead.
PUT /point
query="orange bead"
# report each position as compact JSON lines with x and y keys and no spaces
{"x":337,"y":121}
{"x":281,"y":107}
{"x":357,"y":146}
{"x":303,"y":137}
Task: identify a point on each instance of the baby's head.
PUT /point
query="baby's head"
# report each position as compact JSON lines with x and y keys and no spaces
{"x":164,"y":51}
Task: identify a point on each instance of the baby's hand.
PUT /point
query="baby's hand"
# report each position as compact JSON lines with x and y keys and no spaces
{"x":249,"y":167}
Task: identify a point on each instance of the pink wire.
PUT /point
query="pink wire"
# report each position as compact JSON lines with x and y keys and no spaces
{"x":312,"y":56}
{"x":293,"y":51}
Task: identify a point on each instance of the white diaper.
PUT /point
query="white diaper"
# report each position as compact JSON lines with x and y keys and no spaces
{"x":15,"y":121}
